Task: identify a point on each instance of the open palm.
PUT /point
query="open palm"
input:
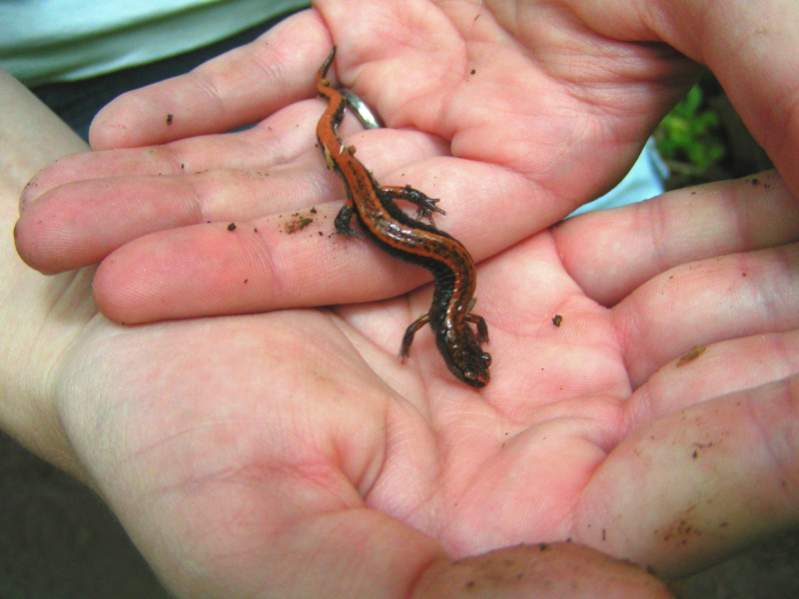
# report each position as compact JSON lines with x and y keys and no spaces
{"x":271,"y":448}
{"x":252,"y":448}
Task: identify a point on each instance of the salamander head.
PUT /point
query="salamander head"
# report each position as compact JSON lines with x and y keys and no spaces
{"x":464,"y":356}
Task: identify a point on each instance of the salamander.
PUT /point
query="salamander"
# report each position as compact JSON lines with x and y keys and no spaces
{"x":449,"y":262}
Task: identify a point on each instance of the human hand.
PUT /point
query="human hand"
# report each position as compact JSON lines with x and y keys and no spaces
{"x":288,"y":452}
{"x":689,"y":509}
{"x":560,"y":101}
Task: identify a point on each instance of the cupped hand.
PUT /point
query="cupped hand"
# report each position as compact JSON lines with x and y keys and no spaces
{"x":513,"y":114}
{"x":291,"y":450}
{"x":290,"y":454}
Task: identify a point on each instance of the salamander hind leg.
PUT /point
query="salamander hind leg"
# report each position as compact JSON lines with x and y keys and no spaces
{"x":425,"y":205}
{"x":407,"y":339}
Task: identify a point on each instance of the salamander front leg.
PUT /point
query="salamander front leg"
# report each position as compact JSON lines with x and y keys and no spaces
{"x":425,"y":205}
{"x":482,"y":327}
{"x":344,"y":221}
{"x":407,"y":339}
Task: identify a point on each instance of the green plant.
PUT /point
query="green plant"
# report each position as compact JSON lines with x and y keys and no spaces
{"x":690,"y":137}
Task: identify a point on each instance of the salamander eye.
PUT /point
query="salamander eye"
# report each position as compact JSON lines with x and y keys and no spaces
{"x":486,"y":358}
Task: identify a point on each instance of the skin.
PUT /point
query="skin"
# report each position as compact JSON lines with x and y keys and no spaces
{"x":288,"y":453}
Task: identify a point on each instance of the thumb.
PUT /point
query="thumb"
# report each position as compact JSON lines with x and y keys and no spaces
{"x":557,"y":570}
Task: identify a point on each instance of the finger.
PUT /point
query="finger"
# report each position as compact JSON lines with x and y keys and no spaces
{"x":279,"y":139}
{"x":80,"y":223}
{"x":272,"y":263}
{"x":699,"y":484}
{"x":240,"y":87}
{"x":545,"y":571}
{"x":707,"y":301}
{"x":612,"y":252}
{"x":707,"y":371}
